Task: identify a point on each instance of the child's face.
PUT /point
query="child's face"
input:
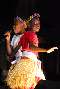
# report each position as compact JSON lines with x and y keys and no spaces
{"x":36,"y":25}
{"x":18,"y":27}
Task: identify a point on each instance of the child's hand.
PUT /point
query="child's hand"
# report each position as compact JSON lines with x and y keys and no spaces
{"x":7,"y":34}
{"x":52,"y":49}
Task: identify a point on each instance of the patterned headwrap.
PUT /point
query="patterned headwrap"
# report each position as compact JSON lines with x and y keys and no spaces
{"x":18,"y":19}
{"x":29,"y":20}
{"x":35,"y":15}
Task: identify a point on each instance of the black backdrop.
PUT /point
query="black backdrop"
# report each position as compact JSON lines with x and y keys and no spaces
{"x":50,"y":22}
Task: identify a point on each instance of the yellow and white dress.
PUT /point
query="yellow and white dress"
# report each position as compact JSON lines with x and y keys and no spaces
{"x":23,"y":74}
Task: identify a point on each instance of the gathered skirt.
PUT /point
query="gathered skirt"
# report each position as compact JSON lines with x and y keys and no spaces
{"x":24,"y":74}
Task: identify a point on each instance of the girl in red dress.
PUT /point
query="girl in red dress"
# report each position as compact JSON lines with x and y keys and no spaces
{"x":27,"y":71}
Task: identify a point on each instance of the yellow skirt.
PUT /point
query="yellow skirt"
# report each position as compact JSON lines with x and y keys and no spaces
{"x":22,"y":74}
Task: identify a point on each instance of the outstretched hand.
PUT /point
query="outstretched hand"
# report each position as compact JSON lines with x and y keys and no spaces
{"x":52,"y":49}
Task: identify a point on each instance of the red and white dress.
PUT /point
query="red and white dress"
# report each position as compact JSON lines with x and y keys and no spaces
{"x":26,"y":72}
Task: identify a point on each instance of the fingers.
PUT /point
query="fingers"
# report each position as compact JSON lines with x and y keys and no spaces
{"x":55,"y":47}
{"x":7,"y":33}
{"x":52,"y":49}
{"x":7,"y":36}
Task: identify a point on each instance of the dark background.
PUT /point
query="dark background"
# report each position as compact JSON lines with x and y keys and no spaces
{"x":49,"y":33}
{"x":49,"y":11}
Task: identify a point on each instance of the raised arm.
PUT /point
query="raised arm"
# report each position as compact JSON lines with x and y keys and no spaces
{"x":8,"y":45}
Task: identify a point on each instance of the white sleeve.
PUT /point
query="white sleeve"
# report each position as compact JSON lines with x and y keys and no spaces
{"x":12,"y":41}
